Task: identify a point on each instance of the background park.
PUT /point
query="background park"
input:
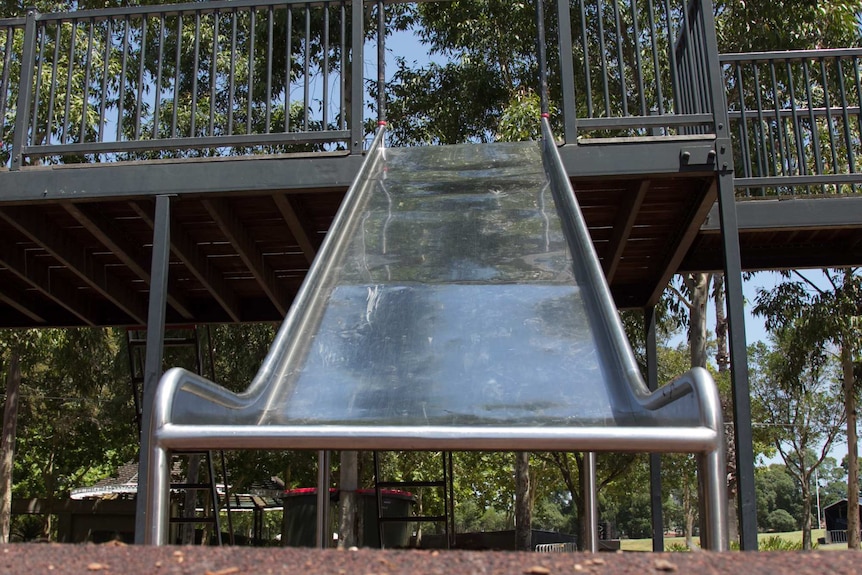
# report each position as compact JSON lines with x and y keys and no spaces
{"x":69,"y":389}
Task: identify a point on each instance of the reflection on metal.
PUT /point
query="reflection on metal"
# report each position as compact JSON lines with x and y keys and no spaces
{"x":457,"y":304}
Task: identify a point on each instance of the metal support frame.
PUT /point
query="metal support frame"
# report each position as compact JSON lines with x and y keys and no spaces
{"x":542,"y":56}
{"x":567,"y":73}
{"x":154,"y":356}
{"x":357,"y":130}
{"x":738,"y":364}
{"x":591,"y":504}
{"x":733,"y":286}
{"x":322,"y":534}
{"x":654,"y":458}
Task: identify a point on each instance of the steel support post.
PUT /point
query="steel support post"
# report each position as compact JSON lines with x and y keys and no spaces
{"x":654,"y":458}
{"x":567,"y":72}
{"x":25,"y":90}
{"x":591,"y":504}
{"x":733,"y":287}
{"x":738,"y":364}
{"x":357,"y":129}
{"x":154,"y":354}
{"x":323,"y":536}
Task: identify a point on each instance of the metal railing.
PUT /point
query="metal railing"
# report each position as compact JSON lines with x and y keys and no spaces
{"x":567,"y":547}
{"x":638,"y":68}
{"x":197,"y":79}
{"x":795,"y":121}
{"x":245,"y":77}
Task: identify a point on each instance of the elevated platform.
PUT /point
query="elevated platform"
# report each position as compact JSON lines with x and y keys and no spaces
{"x":75,"y":240}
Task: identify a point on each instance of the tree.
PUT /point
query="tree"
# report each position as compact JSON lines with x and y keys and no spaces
{"x":7,"y":443}
{"x":776,"y":490}
{"x":798,"y":400}
{"x":823,"y":317}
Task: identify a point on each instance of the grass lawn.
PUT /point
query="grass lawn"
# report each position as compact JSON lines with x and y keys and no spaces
{"x":792,"y":536}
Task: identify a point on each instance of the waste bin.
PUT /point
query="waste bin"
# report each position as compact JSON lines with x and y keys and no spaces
{"x":300,"y":517}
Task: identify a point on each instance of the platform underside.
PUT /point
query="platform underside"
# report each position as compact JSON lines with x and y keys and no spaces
{"x":75,"y":241}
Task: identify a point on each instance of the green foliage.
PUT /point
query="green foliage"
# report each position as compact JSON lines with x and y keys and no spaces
{"x":775,"y":490}
{"x":780,"y":521}
{"x":777,"y":543}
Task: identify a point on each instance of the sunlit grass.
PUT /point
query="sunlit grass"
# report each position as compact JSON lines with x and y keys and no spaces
{"x":671,"y":543}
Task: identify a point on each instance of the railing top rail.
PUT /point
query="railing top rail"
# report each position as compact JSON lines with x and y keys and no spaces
{"x":791,"y":55}
{"x":172,"y":9}
{"x":162,"y":10}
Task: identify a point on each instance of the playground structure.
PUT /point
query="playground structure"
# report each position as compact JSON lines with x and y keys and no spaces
{"x":654,"y":147}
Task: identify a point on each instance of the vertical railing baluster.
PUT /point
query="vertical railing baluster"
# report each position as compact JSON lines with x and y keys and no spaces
{"x":141,"y":67}
{"x":691,"y":66}
{"x":157,"y":105}
{"x":794,"y":114}
{"x":28,"y":57}
{"x":381,"y":63}
{"x":326,"y":66}
{"x":269,"y":37}
{"x":34,"y":122}
{"x":357,"y":38}
{"x":52,"y":93}
{"x":541,"y":56}
{"x":342,"y":73}
{"x":655,"y":58}
{"x":827,"y":103}
{"x":121,"y":88}
{"x":69,"y":71}
{"x":815,"y":135}
{"x":639,"y":76}
{"x":106,"y":70}
{"x":196,"y":62}
{"x":567,"y":73}
{"x":674,"y":70}
{"x":177,"y":68}
{"x":621,"y":59}
{"x":765,"y":129}
{"x":776,"y":104}
{"x":604,"y":59}
{"x":743,"y":123}
{"x":4,"y":78}
{"x":249,"y":112}
{"x":232,"y":73}
{"x":858,"y":103}
{"x":306,"y":65}
{"x":214,"y":73}
{"x":587,"y":71}
{"x":288,"y":65}
{"x":842,"y":90}
{"x":88,"y":68}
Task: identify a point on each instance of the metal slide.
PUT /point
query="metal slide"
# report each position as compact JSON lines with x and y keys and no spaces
{"x":457,"y":304}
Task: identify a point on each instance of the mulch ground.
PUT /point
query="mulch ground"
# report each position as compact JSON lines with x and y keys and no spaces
{"x":33,"y":559}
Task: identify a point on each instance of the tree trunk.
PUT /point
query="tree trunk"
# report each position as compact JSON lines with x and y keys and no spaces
{"x":699,"y":286}
{"x":688,"y":512}
{"x":348,"y":483}
{"x":7,"y":445}
{"x":852,"y":446}
{"x":806,"y":515}
{"x":722,"y":357}
{"x":523,"y":509}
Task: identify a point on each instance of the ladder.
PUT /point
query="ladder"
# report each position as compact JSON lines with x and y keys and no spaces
{"x":445,"y":484}
{"x":179,"y":339}
{"x":200,"y":504}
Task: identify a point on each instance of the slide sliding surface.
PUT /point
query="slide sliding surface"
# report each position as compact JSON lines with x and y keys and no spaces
{"x":457,"y":304}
